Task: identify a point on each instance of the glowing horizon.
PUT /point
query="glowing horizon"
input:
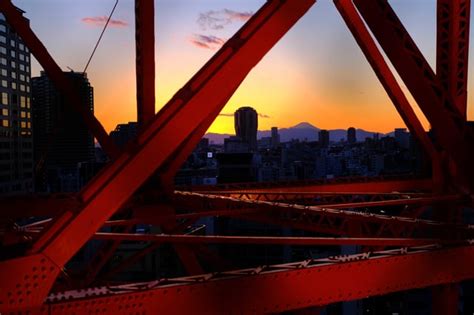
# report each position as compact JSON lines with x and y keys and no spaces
{"x":312,"y":75}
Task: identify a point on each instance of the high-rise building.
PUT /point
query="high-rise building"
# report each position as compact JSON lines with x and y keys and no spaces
{"x":246,"y":124}
{"x":123,"y":133}
{"x":402,"y":137}
{"x":275,"y":137}
{"x":16,"y":143}
{"x":351,"y":135}
{"x":324,"y":137}
{"x":62,"y":140}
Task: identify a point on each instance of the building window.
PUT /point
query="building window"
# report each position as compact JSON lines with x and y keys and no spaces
{"x":12,"y":42}
{"x":2,"y":17}
{"x":28,"y":125}
{"x":27,"y":102}
{"x":27,"y":59}
{"x":5,"y":112}
{"x":23,"y":124}
{"x":13,"y":74}
{"x":22,"y":87}
{"x":22,"y":77}
{"x":28,"y":115}
{"x":3,"y":50}
{"x":4,"y":72}
{"x":27,"y":68}
{"x":21,"y":46}
{"x":22,"y":67}
{"x":12,"y":53}
{"x":5,"y":123}
{"x":3,"y":28}
{"x":14,"y":85}
{"x":13,"y":64}
{"x":22,"y":57}
{"x":22,"y":114}
{"x":28,"y":88}
{"x":5,"y":98}
{"x":3,"y":61}
{"x":4,"y":83}
{"x":22,"y":102}
{"x":3,"y":39}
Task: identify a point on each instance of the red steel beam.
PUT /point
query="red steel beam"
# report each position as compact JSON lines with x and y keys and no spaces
{"x":452,"y":49}
{"x":54,"y":72}
{"x":449,"y":126}
{"x":376,"y":60}
{"x":266,"y":290}
{"x":206,"y":91}
{"x":145,"y":60}
{"x":263,"y":240}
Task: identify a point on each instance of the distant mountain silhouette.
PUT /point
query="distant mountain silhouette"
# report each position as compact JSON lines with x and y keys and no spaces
{"x":303,"y":131}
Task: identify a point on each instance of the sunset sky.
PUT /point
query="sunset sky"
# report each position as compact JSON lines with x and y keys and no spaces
{"x":316,"y":73}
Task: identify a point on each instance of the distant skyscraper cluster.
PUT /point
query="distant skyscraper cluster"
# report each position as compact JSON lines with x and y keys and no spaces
{"x":16,"y":143}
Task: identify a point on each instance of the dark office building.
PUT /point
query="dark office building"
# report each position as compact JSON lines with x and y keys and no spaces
{"x":275,"y":139}
{"x":351,"y":135}
{"x":246,"y":123}
{"x":16,"y":143}
{"x":324,"y":138}
{"x":62,"y":141}
{"x":123,"y":133}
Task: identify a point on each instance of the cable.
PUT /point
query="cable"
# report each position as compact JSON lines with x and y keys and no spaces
{"x":100,"y":37}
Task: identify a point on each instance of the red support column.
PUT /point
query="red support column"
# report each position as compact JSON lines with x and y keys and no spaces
{"x":145,"y":60}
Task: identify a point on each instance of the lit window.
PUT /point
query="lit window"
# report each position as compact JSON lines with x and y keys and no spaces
{"x":2,"y":17}
{"x":4,"y":83}
{"x":22,"y":57}
{"x":3,"y":61}
{"x":22,"y":87}
{"x":4,"y":72}
{"x":28,"y":115}
{"x":14,"y":85}
{"x":5,"y":98}
{"x":12,"y":53}
{"x":12,"y":42}
{"x":23,"y":124}
{"x":27,"y":59}
{"x":27,"y":102}
{"x":22,"y":67}
{"x":27,"y":68}
{"x":3,"y":50}
{"x":22,"y":114}
{"x":5,"y":112}
{"x":3,"y":28}
{"x":5,"y":123}
{"x":28,"y":125}
{"x":22,"y":101}
{"x":22,"y":77}
{"x":28,"y":88}
{"x":13,"y":64}
{"x":21,"y":46}
{"x":13,"y":75}
{"x":3,"y":39}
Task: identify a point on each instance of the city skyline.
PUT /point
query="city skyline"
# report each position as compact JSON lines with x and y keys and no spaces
{"x":306,"y":68}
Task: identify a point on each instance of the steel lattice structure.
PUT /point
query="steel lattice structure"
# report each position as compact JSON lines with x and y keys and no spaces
{"x":434,"y":253}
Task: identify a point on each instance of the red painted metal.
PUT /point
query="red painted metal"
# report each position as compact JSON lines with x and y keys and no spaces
{"x":452,"y":49}
{"x":263,"y":240}
{"x":145,"y":60}
{"x":279,"y":288}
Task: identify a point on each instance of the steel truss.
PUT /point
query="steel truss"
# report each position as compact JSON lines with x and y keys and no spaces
{"x":135,"y":188}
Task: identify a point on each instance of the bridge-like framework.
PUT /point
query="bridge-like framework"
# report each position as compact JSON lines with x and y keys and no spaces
{"x":399,"y":252}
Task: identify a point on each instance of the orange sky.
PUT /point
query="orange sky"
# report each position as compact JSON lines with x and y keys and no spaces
{"x":316,"y":73}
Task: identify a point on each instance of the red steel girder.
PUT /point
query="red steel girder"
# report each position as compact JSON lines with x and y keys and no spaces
{"x":376,"y":60}
{"x":266,"y":289}
{"x":62,"y":83}
{"x":452,"y":49}
{"x":264,"y":240}
{"x":319,"y":219}
{"x":449,"y":126}
{"x":145,"y":60}
{"x":207,"y":92}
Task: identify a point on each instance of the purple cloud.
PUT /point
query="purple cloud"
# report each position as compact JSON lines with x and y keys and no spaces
{"x":101,"y":20}
{"x":206,"y":41}
{"x":217,"y":20}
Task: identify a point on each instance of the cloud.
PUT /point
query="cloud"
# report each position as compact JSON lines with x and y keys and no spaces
{"x":217,"y":20}
{"x":101,"y":20}
{"x":207,"y":41}
{"x":232,"y":115}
